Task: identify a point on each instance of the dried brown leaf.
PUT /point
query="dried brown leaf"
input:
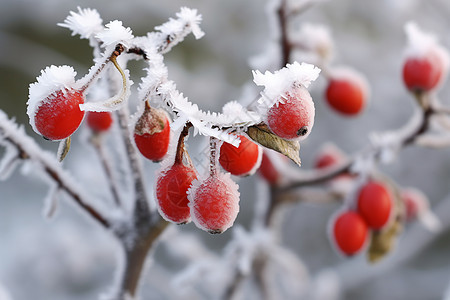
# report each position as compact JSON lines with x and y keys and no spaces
{"x":263,"y":136}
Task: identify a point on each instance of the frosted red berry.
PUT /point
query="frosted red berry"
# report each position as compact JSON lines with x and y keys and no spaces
{"x":99,"y":121}
{"x":214,"y":203}
{"x":171,"y":193}
{"x":415,"y":203}
{"x":292,"y":117}
{"x":59,"y":115}
{"x":423,"y":73}
{"x":268,"y":171}
{"x":242,"y":160}
{"x":347,"y":93}
{"x":152,"y":134}
{"x":350,"y":232}
{"x":375,"y":204}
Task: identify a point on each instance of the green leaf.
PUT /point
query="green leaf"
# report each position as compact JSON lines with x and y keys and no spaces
{"x":263,"y":136}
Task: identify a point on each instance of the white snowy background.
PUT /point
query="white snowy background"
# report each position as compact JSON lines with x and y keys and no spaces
{"x":70,"y":257}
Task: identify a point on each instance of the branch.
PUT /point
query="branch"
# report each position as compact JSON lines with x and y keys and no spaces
{"x":28,"y":149}
{"x":321,"y":176}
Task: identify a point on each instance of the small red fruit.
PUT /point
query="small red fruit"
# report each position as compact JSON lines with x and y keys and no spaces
{"x":171,"y":193}
{"x":329,"y":155}
{"x":152,"y":134}
{"x":415,"y":203}
{"x":347,"y":92}
{"x":99,"y":121}
{"x":268,"y":171}
{"x":59,"y":115}
{"x":293,"y":116}
{"x":214,"y":202}
{"x":375,"y":204}
{"x":350,"y":232}
{"x":423,"y":73}
{"x":242,"y":160}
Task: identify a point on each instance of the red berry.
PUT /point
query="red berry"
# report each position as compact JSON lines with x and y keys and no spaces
{"x":415,"y":203}
{"x":240,"y":161}
{"x":350,"y":232}
{"x":171,"y":193}
{"x":268,"y":171}
{"x":375,"y":204}
{"x":293,"y":116}
{"x":423,"y":73}
{"x":59,"y":115}
{"x":99,"y":121}
{"x":347,"y":92}
{"x":214,"y":202}
{"x":152,"y":134}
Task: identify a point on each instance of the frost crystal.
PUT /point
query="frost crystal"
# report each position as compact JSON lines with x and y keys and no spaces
{"x":115,"y":33}
{"x":86,"y":22}
{"x":281,"y":81}
{"x":315,"y":38}
{"x":419,"y":41}
{"x":192,"y":19}
{"x":51,"y":80}
{"x":175,"y":30}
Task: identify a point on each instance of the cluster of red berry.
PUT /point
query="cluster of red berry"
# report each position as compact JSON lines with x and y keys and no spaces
{"x":374,"y":206}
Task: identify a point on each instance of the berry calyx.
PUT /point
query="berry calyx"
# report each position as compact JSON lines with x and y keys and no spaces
{"x":423,"y":73}
{"x":292,"y":117}
{"x":99,"y":121}
{"x":214,"y":202}
{"x":152,"y":133}
{"x":375,"y":204}
{"x":346,"y":92}
{"x":243,"y":160}
{"x":350,"y":232}
{"x":59,"y":115}
{"x":171,"y":193}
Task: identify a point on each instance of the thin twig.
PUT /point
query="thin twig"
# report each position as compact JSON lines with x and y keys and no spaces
{"x":141,"y":207}
{"x":96,"y":141}
{"x":28,"y":149}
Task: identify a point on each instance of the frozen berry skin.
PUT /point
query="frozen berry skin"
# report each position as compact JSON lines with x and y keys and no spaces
{"x":152,"y":134}
{"x":346,"y":95}
{"x":326,"y":160}
{"x":171,"y":193}
{"x":422,"y":73}
{"x":214,"y":203}
{"x":415,"y":203}
{"x":59,"y":115}
{"x":99,"y":121}
{"x":242,"y":160}
{"x":268,"y":171}
{"x":375,"y":204}
{"x":293,"y":116}
{"x":350,"y":232}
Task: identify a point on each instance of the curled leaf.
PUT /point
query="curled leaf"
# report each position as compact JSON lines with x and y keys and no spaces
{"x":63,"y":149}
{"x":382,"y":242}
{"x":263,"y":136}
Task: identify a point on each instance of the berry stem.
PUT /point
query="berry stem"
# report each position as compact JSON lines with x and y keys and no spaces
{"x":181,"y":148}
{"x":213,"y":157}
{"x":117,"y":51}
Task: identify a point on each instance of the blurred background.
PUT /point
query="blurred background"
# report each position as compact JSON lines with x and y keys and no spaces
{"x":69,"y":257}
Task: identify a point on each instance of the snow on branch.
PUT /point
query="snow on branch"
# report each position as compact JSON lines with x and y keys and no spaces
{"x":11,"y":135}
{"x":86,"y":22}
